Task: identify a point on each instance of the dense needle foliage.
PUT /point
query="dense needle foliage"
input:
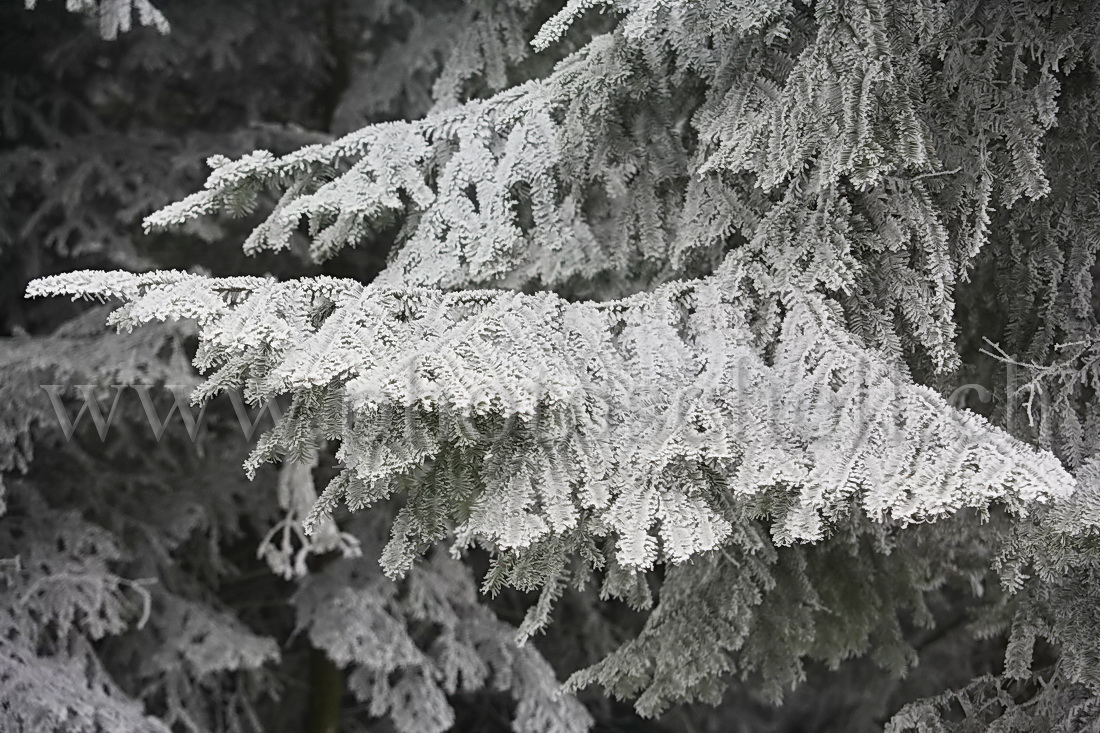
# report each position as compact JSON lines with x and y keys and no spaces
{"x":616,"y":353}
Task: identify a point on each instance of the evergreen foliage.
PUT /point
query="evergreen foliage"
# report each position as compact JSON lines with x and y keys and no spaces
{"x":673,"y":298}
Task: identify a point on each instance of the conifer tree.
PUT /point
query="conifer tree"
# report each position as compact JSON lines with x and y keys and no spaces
{"x":647,"y":314}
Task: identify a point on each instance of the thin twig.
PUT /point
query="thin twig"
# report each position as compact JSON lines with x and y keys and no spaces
{"x":936,"y":173}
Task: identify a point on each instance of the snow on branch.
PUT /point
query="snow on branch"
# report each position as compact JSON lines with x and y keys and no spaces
{"x":518,"y":420}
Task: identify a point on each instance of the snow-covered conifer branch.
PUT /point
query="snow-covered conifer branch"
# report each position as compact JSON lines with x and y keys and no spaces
{"x":640,"y":418}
